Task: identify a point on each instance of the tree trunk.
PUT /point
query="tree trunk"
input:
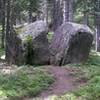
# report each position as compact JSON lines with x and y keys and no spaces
{"x":3,"y":23}
{"x":97,"y":23}
{"x":85,"y":13}
{"x":98,"y":33}
{"x":68,"y":10}
{"x":57,"y":14}
{"x":10,"y":34}
{"x":44,"y":10}
{"x":7,"y":28}
{"x":30,"y":11}
{"x":71,"y":10}
{"x":85,"y":18}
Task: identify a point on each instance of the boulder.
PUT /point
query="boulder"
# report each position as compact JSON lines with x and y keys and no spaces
{"x":32,"y":45}
{"x":71,"y":43}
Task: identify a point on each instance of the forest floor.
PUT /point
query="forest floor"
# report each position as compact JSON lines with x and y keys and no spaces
{"x":74,"y":81}
{"x":65,"y":81}
{"x":70,"y":82}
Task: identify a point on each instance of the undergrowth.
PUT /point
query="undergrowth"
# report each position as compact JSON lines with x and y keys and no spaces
{"x":91,"y":72}
{"x":27,"y":81}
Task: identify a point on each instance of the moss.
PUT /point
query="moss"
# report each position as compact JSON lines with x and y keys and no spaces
{"x":29,"y":39}
{"x":91,"y":71}
{"x":18,"y":30}
{"x":49,"y":36}
{"x":29,"y":50}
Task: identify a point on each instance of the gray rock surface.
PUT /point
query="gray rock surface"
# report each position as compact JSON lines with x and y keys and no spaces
{"x":71,"y":43}
{"x":32,"y":45}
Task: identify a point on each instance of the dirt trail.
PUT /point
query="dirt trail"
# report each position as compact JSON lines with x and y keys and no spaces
{"x":64,"y":82}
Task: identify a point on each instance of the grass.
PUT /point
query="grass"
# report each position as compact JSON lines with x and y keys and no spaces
{"x":91,"y":72}
{"x":26,"y":81}
{"x":29,"y":81}
{"x":63,"y":97}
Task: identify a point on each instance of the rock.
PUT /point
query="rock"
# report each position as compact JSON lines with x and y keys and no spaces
{"x":32,"y":45}
{"x":71,"y":43}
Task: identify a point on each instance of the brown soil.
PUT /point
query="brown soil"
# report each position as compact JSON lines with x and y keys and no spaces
{"x":65,"y":81}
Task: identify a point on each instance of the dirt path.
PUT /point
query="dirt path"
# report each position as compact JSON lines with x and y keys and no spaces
{"x":64,"y":82}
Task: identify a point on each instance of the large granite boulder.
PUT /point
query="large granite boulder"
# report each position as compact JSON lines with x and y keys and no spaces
{"x":32,"y":45}
{"x":71,"y":43}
